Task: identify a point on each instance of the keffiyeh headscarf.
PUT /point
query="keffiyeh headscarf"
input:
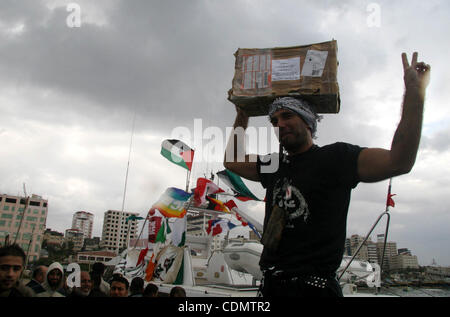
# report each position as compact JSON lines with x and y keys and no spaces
{"x":300,"y":107}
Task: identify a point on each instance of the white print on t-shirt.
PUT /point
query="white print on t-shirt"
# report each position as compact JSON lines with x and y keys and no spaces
{"x":289,"y":198}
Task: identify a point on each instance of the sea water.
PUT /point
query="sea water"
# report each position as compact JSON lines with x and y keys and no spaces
{"x":411,"y":291}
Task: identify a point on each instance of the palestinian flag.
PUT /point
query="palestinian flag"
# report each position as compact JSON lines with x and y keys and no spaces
{"x":177,"y":152}
{"x":237,"y":185}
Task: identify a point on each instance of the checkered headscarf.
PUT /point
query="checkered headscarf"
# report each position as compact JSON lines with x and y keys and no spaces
{"x":300,"y":107}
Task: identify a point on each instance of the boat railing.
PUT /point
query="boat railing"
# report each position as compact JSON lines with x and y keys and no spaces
{"x":385,"y":213}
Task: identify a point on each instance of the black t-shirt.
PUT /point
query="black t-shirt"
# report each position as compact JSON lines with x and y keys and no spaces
{"x":314,"y":187}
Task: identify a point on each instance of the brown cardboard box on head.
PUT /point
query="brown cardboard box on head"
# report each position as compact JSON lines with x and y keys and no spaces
{"x":308,"y":71}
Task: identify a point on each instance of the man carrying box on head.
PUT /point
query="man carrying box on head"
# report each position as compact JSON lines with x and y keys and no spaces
{"x":308,"y":195}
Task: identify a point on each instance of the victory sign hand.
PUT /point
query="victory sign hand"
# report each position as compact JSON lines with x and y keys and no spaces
{"x":416,"y":75}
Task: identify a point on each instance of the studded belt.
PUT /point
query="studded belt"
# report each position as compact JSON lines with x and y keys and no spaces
{"x":280,"y":277}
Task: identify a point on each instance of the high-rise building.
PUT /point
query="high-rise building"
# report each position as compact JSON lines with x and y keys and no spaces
{"x":83,"y":221}
{"x":390,"y":251}
{"x":372,"y":255}
{"x":117,"y":232}
{"x":23,"y":226}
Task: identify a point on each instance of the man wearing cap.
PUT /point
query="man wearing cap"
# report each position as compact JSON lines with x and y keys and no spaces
{"x":308,"y":195}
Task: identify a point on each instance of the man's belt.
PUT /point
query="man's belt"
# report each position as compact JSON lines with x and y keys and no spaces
{"x":281,"y":277}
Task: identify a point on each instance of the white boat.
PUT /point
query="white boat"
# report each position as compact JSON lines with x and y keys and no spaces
{"x":232,"y":270}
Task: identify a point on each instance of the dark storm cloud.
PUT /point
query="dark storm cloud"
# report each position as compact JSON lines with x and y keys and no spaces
{"x":165,"y":62}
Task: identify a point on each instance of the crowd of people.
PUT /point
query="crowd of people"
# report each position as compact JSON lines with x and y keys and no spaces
{"x":51,"y":281}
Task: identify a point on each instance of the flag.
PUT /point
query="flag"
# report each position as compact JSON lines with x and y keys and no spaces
{"x":205,"y":187}
{"x":231,"y":205}
{"x":142,"y":255}
{"x":171,"y":203}
{"x":177,"y":152}
{"x":217,"y":205}
{"x":150,"y":268}
{"x":162,"y":233}
{"x":154,"y":226}
{"x":390,"y":201}
{"x":237,"y":185}
{"x":254,"y":230}
{"x":132,"y":217}
{"x":218,"y":226}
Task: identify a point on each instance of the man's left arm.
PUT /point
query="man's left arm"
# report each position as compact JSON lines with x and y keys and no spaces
{"x":378,"y":164}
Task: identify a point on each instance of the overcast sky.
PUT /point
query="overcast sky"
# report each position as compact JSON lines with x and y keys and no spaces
{"x":68,"y":96}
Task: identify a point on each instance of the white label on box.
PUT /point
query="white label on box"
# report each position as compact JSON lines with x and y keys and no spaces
{"x":256,"y":70}
{"x":286,"y":69}
{"x":314,"y":63}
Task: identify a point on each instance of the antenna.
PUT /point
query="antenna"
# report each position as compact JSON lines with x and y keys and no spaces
{"x":27,"y":202}
{"x":125,"y":186}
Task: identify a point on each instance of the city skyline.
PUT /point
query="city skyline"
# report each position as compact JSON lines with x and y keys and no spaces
{"x":352,"y":240}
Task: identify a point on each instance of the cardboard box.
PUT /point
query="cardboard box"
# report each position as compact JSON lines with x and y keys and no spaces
{"x":309,"y":71}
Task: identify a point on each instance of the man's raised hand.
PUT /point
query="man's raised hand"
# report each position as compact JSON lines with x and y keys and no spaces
{"x":416,"y":75}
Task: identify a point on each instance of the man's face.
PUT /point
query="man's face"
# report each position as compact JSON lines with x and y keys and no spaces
{"x":41,"y":276}
{"x":293,"y":132}
{"x":86,"y":283}
{"x":54,"y":278}
{"x":118,"y":289}
{"x":10,"y":269}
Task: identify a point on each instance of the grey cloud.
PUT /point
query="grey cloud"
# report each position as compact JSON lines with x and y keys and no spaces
{"x":438,"y":142}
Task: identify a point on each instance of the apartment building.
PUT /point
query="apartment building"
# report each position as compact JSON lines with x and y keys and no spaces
{"x":117,"y":232}
{"x":75,"y":236}
{"x":23,"y":220}
{"x":90,"y":257}
{"x":403,"y":261}
{"x":83,"y":221}
{"x":197,"y":223}
{"x":368,"y":251}
{"x":53,"y":237}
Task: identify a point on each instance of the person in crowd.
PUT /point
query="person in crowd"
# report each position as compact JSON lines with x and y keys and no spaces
{"x":85,"y":286}
{"x":37,"y":279}
{"x":99,"y":268}
{"x":12,"y":260}
{"x":177,"y":291}
{"x":151,"y":290}
{"x":119,"y":287}
{"x":96,"y":291}
{"x":136,"y":287}
{"x":54,"y":281}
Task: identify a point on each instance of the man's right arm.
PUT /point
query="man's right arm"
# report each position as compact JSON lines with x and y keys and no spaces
{"x":236,"y":160}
